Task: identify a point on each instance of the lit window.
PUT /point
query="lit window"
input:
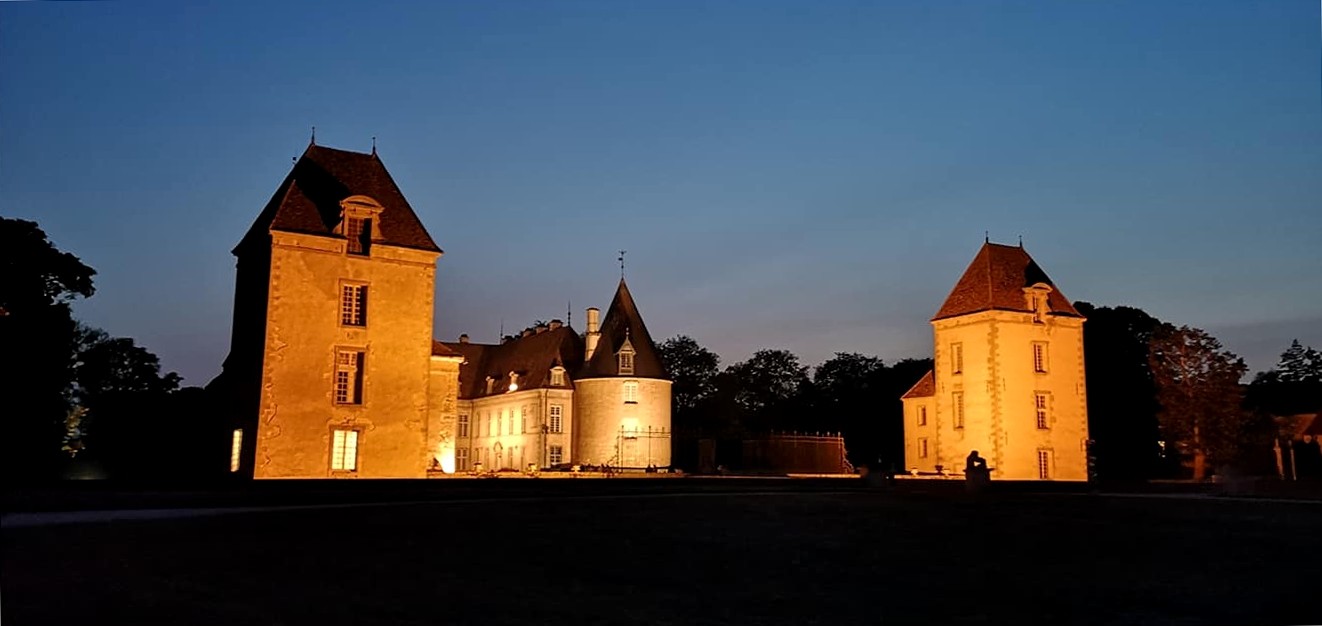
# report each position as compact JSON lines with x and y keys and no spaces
{"x":956,"y":358}
{"x":358,"y":230}
{"x":348,"y":377}
{"x":1044,"y":464}
{"x":629,"y":428}
{"x":922,"y":448}
{"x":1040,"y":357}
{"x":236,"y":444}
{"x":353,"y":305}
{"x":1040,"y":408}
{"x":626,"y":361}
{"x":520,"y":415}
{"x":631,"y":392}
{"x":922,"y":416}
{"x":500,"y":423}
{"x":344,"y":450}
{"x":463,"y":425}
{"x":556,"y":455}
{"x":558,"y":376}
{"x":958,"y":401}
{"x":461,"y":459}
{"x":557,"y":422}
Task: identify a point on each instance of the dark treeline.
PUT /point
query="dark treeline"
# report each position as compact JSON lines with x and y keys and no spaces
{"x":84,"y":403}
{"x":852,"y":394}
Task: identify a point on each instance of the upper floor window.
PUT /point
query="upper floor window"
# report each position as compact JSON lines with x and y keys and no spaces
{"x":344,"y":450}
{"x":630,"y":391}
{"x":556,"y":423}
{"x":957,"y":401}
{"x":956,"y":358}
{"x":463,"y":426}
{"x":353,"y":305}
{"x":922,"y":448}
{"x":358,"y":230}
{"x":922,"y":416}
{"x":349,"y":376}
{"x":1040,"y":409}
{"x":557,"y":376}
{"x":1040,"y":357}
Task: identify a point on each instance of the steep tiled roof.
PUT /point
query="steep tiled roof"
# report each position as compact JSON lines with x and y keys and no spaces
{"x":308,"y":201}
{"x":623,"y":321}
{"x":995,"y":280}
{"x":532,"y":357}
{"x":924,"y":388}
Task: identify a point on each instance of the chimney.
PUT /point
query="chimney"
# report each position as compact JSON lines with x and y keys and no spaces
{"x":541,"y":328}
{"x":555,"y":324}
{"x":463,"y":338}
{"x":526,"y":332}
{"x":594,"y":333}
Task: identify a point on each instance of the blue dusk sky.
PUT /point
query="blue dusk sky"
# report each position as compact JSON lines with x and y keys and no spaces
{"x":804,"y":175}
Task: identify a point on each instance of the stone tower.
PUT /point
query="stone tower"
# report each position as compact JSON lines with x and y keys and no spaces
{"x":622,"y":393}
{"x":1008,"y":378}
{"x":331,"y":348}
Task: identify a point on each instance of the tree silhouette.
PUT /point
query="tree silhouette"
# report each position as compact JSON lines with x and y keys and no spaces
{"x":1122,"y":398}
{"x":37,"y":284}
{"x":1198,"y":390}
{"x":693,"y":371}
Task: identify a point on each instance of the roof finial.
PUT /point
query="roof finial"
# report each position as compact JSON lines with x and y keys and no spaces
{"x":622,"y":253}
{"x":373,"y":145}
{"x":502,"y":331}
{"x":1021,"y":241}
{"x":569,"y":313}
{"x":314,"y":136}
{"x":986,"y":236}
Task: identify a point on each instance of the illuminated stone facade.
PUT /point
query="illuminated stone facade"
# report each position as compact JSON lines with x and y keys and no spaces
{"x":333,"y":371}
{"x":1008,"y":378}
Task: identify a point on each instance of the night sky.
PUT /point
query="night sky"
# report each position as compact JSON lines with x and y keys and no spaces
{"x":802,"y":175}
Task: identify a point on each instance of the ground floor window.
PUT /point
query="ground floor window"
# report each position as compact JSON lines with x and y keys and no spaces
{"x":1044,"y":464}
{"x":344,"y":450}
{"x":556,"y":455}
{"x":461,"y":459}
{"x":236,"y":444}
{"x":922,"y":448}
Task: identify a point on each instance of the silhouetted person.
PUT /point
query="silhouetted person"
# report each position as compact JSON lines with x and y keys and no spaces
{"x":976,"y":472}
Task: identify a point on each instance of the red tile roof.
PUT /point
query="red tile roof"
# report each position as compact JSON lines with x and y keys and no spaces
{"x":623,"y":320}
{"x":308,"y":201}
{"x":995,"y":281}
{"x":924,"y":388}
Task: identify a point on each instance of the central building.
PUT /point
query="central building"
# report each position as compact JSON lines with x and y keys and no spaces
{"x":333,"y":371}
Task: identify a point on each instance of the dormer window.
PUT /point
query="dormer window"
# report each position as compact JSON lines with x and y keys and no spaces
{"x":358,"y":230}
{"x":358,"y":216}
{"x":491,"y":384}
{"x":1035,"y":299}
{"x":626,"y":363}
{"x":557,"y":376}
{"x":625,"y":357}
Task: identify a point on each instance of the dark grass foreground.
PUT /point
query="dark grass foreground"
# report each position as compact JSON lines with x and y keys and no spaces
{"x":658,"y":557}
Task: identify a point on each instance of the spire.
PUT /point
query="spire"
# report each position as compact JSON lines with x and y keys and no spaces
{"x":313,"y":141}
{"x":623,"y":323}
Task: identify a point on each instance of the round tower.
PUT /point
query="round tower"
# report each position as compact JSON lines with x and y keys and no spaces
{"x":622,"y":396}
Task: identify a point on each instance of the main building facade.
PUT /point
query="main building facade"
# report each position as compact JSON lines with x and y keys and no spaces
{"x":333,"y":370}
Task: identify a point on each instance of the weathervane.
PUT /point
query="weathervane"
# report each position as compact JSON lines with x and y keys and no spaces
{"x":622,"y":253}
